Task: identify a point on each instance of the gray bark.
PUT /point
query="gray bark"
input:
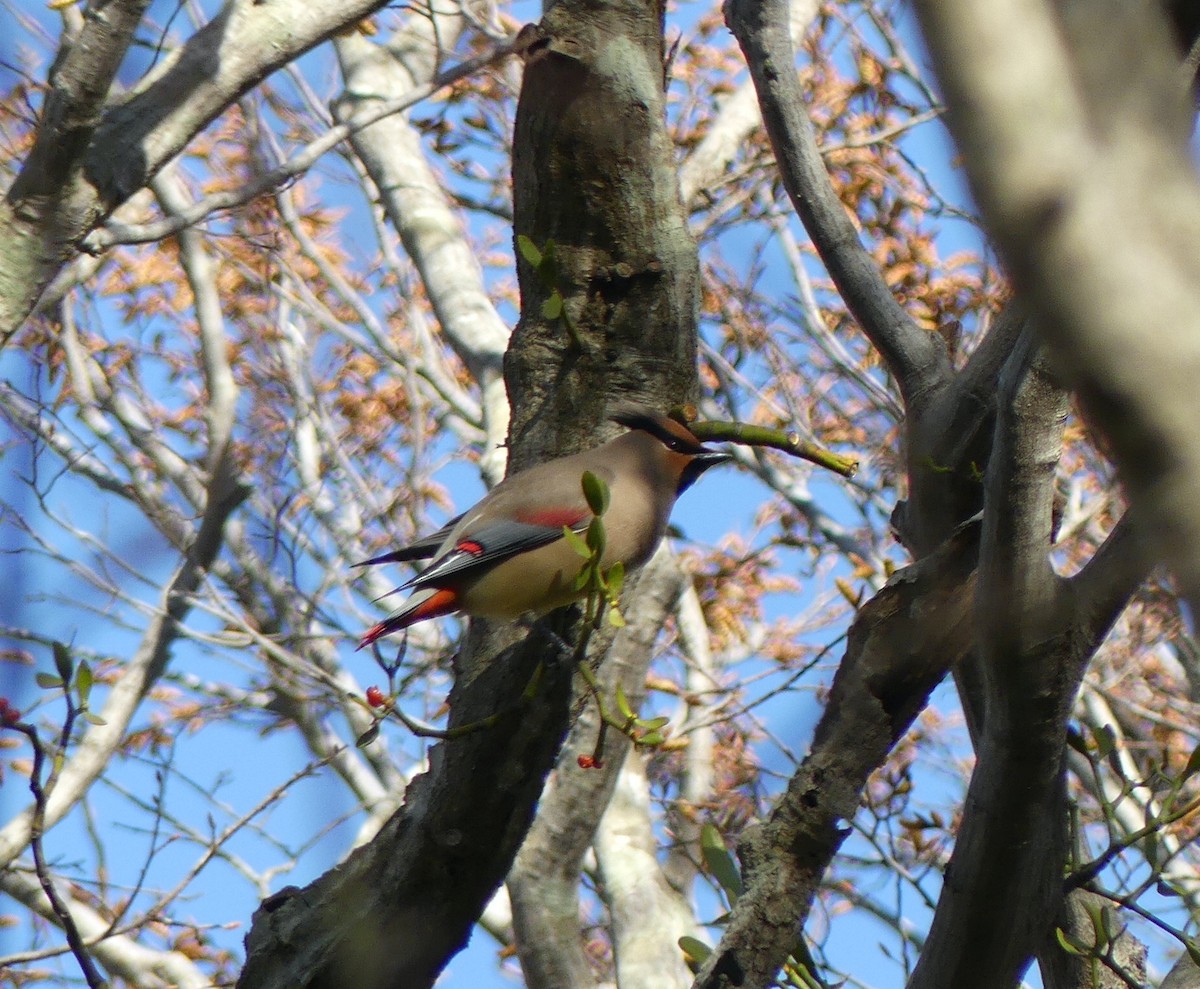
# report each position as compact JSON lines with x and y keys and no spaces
{"x":1020,"y":655}
{"x":543,"y":884}
{"x":900,"y":646}
{"x":592,"y":173}
{"x":1073,"y":124}
{"x":1105,"y":958}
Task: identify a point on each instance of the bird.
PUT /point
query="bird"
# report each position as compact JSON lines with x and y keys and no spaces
{"x":507,"y":556}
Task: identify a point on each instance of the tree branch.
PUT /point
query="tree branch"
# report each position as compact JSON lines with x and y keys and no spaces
{"x":950,"y":440}
{"x":418,"y":208}
{"x":118,"y":154}
{"x":900,"y":646}
{"x":737,"y":117}
{"x":543,"y":884}
{"x":80,"y":80}
{"x":917,"y":359}
{"x":457,"y":832}
{"x":137,"y":676}
{"x":1017,"y":589}
{"x":120,"y":955}
{"x":648,"y":915}
{"x":1029,"y":659}
{"x":1083,"y":173}
{"x":1102,"y":588}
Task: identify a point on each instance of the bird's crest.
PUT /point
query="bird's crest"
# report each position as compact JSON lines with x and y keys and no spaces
{"x":673,"y":435}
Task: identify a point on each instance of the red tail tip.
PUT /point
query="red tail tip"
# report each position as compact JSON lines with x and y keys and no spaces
{"x":373,"y":633}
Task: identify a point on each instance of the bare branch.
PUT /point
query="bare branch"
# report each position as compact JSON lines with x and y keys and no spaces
{"x":1017,"y":587}
{"x":221,"y":407}
{"x":419,"y":210}
{"x":736,"y":119}
{"x":1099,"y":252}
{"x":1029,"y":659}
{"x":137,"y":676}
{"x":120,"y":954}
{"x":544,"y":881}
{"x":648,"y":915}
{"x":235,"y":51}
{"x":83,"y":72}
{"x":1104,"y":586}
{"x":901,"y":644}
{"x":917,"y":359}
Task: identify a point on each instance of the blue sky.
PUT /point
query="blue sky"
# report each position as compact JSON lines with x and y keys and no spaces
{"x":224,"y":764}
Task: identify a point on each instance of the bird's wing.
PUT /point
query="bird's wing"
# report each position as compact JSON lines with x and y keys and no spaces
{"x":496,"y":541}
{"x":422,"y":549}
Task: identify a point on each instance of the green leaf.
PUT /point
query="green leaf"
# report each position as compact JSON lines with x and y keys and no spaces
{"x":616,"y":580}
{"x":1066,"y":943}
{"x":529,"y":250}
{"x":597,"y":538}
{"x":623,"y":705}
{"x":48,"y":681}
{"x":1150,"y":850}
{"x":615,"y":618}
{"x":83,"y":681}
{"x":1100,"y":938}
{"x":1111,"y":925}
{"x":1106,"y":741}
{"x":535,"y":683}
{"x":695,"y":949}
{"x":653,"y":724}
{"x":719,"y":862}
{"x":63,"y":662}
{"x":368,"y":736}
{"x":94,"y":719}
{"x":595,"y":490}
{"x":652,"y":738}
{"x":584,"y":577}
{"x":576,"y":542}
{"x":800,"y":975}
{"x":552,"y":308}
{"x":1076,"y":741}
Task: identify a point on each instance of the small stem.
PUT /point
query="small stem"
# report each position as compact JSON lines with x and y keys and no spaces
{"x":427,"y":731}
{"x":789,"y":441}
{"x":37,"y":828}
{"x":1091,"y":870}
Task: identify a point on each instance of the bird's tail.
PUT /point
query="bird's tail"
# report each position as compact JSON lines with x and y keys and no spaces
{"x":429,"y":602}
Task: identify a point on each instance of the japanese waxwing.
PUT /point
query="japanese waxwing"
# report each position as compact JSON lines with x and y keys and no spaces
{"x":507,"y":555}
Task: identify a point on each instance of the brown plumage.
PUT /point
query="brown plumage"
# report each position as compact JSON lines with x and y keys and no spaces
{"x":507,"y":555}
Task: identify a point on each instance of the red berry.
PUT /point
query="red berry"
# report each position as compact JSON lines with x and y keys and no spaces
{"x":8,"y":715}
{"x":586,"y":762}
{"x":375,"y":697}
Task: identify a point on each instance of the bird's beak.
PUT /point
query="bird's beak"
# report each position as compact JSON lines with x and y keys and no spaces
{"x":699,"y":463}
